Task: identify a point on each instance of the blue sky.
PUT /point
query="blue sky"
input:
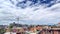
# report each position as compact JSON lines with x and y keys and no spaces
{"x":30,"y":11}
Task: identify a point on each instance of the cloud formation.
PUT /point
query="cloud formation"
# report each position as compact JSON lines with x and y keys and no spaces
{"x":27,"y":13}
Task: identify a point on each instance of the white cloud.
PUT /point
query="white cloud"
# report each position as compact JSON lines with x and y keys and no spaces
{"x":36,"y":14}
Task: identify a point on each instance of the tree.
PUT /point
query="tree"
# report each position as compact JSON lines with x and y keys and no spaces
{"x":10,"y":28}
{"x":2,"y":31}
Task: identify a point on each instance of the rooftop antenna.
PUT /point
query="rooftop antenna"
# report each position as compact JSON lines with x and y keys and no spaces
{"x":18,"y":19}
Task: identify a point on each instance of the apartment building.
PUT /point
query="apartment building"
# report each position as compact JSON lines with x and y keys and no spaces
{"x":39,"y":29}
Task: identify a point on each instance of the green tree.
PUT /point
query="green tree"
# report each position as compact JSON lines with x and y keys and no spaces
{"x":2,"y":31}
{"x":10,"y":28}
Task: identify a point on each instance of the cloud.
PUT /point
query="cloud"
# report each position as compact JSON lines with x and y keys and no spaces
{"x":40,"y":14}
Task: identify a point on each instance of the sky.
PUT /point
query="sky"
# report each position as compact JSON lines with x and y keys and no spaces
{"x":29,"y":11}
